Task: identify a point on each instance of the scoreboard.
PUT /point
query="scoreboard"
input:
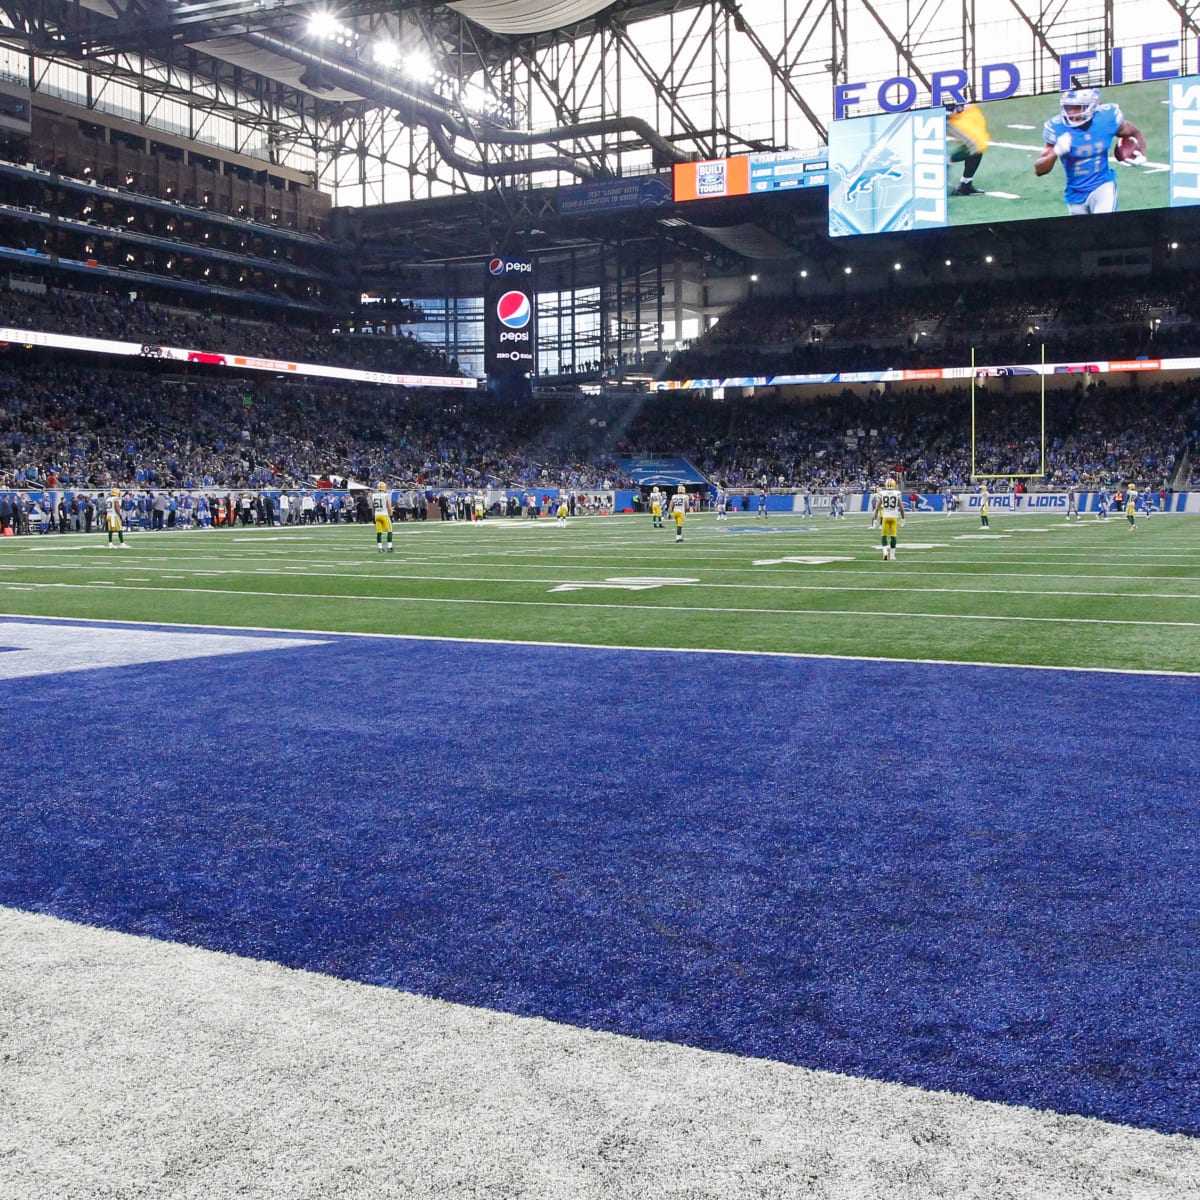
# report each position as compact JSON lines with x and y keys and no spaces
{"x":751,"y":174}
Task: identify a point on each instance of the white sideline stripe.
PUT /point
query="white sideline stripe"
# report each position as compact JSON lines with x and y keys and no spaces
{"x":163,"y":1069}
{"x":603,"y":647}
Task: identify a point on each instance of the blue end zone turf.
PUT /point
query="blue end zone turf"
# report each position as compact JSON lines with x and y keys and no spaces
{"x":963,"y":878}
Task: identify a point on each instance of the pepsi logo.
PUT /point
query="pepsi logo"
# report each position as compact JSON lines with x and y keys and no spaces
{"x":514,"y":310}
{"x":496,"y":266}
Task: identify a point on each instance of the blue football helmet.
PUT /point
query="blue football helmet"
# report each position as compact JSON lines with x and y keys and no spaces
{"x":1079,"y":105}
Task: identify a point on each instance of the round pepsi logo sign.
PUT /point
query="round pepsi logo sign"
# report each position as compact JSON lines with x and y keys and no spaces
{"x":514,"y":310}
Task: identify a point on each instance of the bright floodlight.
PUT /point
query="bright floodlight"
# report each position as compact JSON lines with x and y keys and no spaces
{"x":474,"y":99}
{"x":386,"y":54}
{"x":323,"y":24}
{"x":417,"y":66}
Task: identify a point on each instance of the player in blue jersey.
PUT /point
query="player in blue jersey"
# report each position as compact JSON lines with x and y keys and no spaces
{"x":1080,"y":136}
{"x":1103,"y":501}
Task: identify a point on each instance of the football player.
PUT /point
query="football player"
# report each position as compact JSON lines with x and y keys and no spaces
{"x":985,"y":504}
{"x":1131,"y":500}
{"x":656,"y":506}
{"x":1080,"y":136}
{"x":965,"y":125}
{"x":112,"y":518}
{"x":381,"y":507}
{"x":679,"y":504}
{"x":890,"y":509}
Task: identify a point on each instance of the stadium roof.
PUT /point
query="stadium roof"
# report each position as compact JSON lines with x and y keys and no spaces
{"x":527,"y":16}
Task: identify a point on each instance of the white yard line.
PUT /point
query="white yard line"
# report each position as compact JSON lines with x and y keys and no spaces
{"x":657,"y":608}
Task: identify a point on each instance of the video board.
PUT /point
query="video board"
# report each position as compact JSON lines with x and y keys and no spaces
{"x":893,"y":171}
{"x":751,"y":174}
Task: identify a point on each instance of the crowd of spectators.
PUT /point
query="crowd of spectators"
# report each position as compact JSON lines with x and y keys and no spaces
{"x":100,"y":315}
{"x":930,"y":327}
{"x":68,"y":424}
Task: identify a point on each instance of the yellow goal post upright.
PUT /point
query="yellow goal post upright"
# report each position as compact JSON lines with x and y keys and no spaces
{"x":1014,"y":475}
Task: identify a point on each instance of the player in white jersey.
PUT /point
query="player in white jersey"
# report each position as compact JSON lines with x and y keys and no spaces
{"x":679,"y":505}
{"x":656,"y":506}
{"x":875,"y":507}
{"x":561,"y":511}
{"x":112,"y":518}
{"x":889,"y":508}
{"x":381,"y":507}
{"x":1131,"y":499}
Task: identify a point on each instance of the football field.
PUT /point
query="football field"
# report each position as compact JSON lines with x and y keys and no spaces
{"x":1029,"y":591}
{"x":578,"y":863}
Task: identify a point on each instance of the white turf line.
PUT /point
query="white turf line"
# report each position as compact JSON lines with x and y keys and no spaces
{"x":658,"y":608}
{"x":595,"y":646}
{"x":782,"y":586}
{"x":138,"y":1068}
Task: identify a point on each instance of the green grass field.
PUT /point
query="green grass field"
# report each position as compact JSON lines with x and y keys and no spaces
{"x":1036,"y":591}
{"x":1006,"y":173}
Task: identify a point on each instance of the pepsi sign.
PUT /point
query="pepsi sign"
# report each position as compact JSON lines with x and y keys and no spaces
{"x":514,"y":309}
{"x":510,"y":324}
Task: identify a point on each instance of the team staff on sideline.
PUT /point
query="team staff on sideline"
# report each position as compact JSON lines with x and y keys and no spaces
{"x":381,"y":506}
{"x":112,"y":518}
{"x":679,"y":503}
{"x":890,"y":509}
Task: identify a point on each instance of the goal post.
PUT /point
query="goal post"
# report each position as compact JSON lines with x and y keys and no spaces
{"x":1041,"y":471}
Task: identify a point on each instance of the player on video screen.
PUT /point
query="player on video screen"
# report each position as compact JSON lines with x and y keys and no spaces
{"x":965,"y":125}
{"x":1080,"y":136}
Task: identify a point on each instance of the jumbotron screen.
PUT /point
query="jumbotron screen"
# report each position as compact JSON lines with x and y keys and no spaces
{"x":898,"y":171}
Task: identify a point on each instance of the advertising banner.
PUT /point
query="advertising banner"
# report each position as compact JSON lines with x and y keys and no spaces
{"x":510,"y":316}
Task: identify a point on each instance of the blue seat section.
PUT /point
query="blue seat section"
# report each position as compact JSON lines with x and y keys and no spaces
{"x":663,"y":472}
{"x":957,"y":877}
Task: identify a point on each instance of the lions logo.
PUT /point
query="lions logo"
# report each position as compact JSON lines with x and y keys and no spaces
{"x":878,"y":163}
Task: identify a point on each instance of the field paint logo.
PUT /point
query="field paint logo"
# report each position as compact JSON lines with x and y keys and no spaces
{"x":28,"y":649}
{"x":514,"y":310}
{"x":1185,"y":142}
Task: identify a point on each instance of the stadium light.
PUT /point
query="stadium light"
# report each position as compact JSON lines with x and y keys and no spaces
{"x":803,"y":274}
{"x":897,"y":266}
{"x":848,"y":270}
{"x":949,"y":262}
{"x":987,"y":258}
{"x":386,"y":54}
{"x":417,"y":65}
{"x":322,"y":24}
{"x":474,"y":99}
